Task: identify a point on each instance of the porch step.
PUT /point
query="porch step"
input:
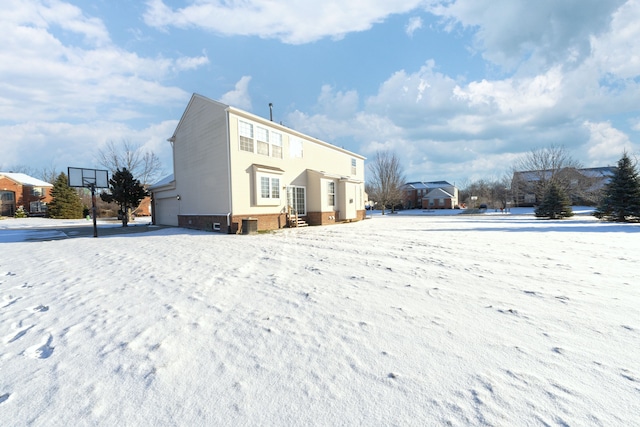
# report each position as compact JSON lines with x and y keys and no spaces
{"x":301,"y":223}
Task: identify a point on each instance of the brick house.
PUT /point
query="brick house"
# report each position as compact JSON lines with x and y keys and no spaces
{"x":430,"y":195}
{"x":230,"y":165}
{"x":21,"y":190}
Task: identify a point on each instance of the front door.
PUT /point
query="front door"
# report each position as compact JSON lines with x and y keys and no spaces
{"x":297,"y":200}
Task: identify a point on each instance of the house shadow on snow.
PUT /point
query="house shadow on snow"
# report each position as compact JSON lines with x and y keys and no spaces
{"x":554,"y":226}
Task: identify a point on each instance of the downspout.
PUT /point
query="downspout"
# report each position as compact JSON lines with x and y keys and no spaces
{"x":229,"y":172}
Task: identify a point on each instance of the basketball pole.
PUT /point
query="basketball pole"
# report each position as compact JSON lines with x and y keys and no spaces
{"x":92,"y":186}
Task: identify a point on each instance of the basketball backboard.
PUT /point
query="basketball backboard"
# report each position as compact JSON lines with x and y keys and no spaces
{"x":81,"y":177}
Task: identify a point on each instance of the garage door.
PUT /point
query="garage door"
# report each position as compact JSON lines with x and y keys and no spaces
{"x":167,"y":211}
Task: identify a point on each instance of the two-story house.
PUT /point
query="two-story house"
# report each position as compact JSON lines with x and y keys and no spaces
{"x":230,"y":165}
{"x":21,"y":190}
{"x":430,"y":195}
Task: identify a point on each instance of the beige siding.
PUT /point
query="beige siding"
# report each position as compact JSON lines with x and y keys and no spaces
{"x":214,"y":177}
{"x":201,"y":159}
{"x":316,"y":156}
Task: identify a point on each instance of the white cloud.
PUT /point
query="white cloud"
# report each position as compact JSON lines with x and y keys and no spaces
{"x":618,"y":51}
{"x":70,"y":144}
{"x":414,"y":24}
{"x":44,"y":78}
{"x":291,"y":21}
{"x":606,"y":143}
{"x":512,"y":32}
{"x":239,"y":97}
{"x":337,"y":104}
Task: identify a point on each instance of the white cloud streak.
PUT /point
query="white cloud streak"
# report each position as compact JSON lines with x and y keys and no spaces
{"x":292,"y":21}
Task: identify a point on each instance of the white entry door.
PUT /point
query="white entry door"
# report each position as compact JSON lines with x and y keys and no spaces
{"x":297,"y":199}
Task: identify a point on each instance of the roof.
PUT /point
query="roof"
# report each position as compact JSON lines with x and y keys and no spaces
{"x":428,"y":185}
{"x":266,"y":122}
{"x":599,"y":172}
{"x":438,"y":193}
{"x":164,"y":181}
{"x":25,"y":179}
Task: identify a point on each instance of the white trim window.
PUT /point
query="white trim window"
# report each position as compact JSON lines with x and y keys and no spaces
{"x":267,"y":189}
{"x":262,"y":140}
{"x":353,"y":167}
{"x":276,"y":145}
{"x":245,"y":132}
{"x":331,"y":193}
{"x":37,"y":207}
{"x":295,"y":148}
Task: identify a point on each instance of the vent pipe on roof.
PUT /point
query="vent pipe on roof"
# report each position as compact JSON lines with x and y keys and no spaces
{"x":271,"y":111}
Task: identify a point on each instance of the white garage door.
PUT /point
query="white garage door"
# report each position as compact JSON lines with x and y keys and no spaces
{"x":167,"y":211}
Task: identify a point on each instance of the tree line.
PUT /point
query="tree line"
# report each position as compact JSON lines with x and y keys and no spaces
{"x":131,"y":168}
{"x":557,"y":184}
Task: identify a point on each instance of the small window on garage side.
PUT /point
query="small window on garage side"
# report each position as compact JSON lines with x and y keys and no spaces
{"x":331,"y":193}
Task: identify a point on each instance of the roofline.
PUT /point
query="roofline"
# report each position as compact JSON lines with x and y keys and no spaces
{"x":238,"y":111}
{"x":289,"y":130}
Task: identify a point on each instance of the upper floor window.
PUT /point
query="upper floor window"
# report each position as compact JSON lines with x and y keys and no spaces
{"x":353,"y":167}
{"x":259,"y":140}
{"x":276,"y":145}
{"x":38,"y":191}
{"x":245,"y":131}
{"x":262,"y":140}
{"x":295,"y":148}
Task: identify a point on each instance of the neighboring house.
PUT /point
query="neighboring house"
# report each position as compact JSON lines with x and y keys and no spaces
{"x":583,"y":184}
{"x":430,"y":195}
{"x":230,"y":165}
{"x":21,"y":190}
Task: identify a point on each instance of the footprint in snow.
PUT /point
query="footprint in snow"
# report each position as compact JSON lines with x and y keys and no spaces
{"x":19,"y":335}
{"x":41,"y":308}
{"x":43,"y":351}
{"x":4,"y":397}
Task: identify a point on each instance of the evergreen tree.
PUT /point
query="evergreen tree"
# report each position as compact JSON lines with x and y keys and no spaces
{"x":66,"y":203}
{"x":621,"y":197}
{"x":555,"y":203}
{"x":126,"y":191}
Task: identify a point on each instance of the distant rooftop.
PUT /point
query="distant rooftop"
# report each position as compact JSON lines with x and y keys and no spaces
{"x":25,"y":179}
{"x":428,"y":185}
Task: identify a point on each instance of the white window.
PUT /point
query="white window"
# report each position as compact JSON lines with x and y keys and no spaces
{"x":295,"y":148}
{"x":276,"y":145}
{"x":353,"y":167}
{"x":268,"y":191}
{"x":246,"y":136}
{"x":37,"y":207}
{"x":331,"y":192}
{"x":262,"y":140}
{"x":38,"y":191}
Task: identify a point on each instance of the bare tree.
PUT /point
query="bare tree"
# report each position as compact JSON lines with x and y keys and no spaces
{"x":25,"y":169}
{"x":493,"y":192}
{"x":535,"y":170}
{"x":49,"y":174}
{"x":387,"y":179}
{"x":144,"y":165}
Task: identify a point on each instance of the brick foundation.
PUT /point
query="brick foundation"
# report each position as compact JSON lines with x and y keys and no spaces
{"x":265,"y":221}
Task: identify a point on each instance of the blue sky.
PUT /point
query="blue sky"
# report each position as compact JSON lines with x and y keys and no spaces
{"x":458,"y":89}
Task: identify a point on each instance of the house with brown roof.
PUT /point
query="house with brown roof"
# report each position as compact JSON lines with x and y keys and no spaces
{"x":21,"y":190}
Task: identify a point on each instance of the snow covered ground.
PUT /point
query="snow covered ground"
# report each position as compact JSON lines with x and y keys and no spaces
{"x":395,"y":320}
